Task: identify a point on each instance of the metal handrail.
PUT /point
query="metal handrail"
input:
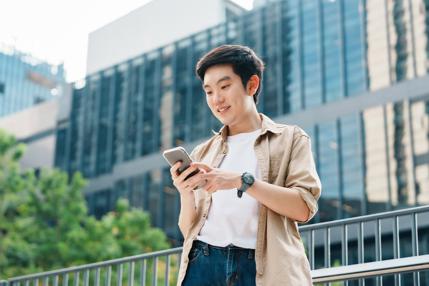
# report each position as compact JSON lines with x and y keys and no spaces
{"x":341,"y":273}
{"x":371,"y":269}
{"x":365,"y":218}
{"x":106,"y":263}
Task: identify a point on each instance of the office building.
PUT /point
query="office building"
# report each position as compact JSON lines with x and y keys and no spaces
{"x":26,"y":81}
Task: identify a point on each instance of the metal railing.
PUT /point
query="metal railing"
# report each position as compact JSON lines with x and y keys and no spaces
{"x":332,"y":241}
{"x":133,"y":270}
{"x":325,"y":275}
{"x":365,"y":238}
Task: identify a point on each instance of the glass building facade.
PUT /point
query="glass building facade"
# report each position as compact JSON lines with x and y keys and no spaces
{"x":319,"y":54}
{"x":25,"y":81}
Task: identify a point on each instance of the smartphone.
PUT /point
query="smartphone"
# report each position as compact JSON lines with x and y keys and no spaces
{"x":179,"y":154}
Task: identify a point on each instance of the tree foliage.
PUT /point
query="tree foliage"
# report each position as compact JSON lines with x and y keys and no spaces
{"x":44,"y":221}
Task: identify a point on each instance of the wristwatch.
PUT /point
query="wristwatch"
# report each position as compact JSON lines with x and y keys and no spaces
{"x":247,"y":181}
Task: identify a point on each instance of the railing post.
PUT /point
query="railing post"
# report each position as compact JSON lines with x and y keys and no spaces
{"x":4,"y":283}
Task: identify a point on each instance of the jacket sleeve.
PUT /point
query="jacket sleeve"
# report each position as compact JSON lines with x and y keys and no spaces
{"x":302,"y":174}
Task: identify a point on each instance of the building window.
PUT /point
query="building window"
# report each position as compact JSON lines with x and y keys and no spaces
{"x":2,"y":88}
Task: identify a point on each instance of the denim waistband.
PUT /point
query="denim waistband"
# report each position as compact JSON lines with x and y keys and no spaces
{"x":229,"y":248}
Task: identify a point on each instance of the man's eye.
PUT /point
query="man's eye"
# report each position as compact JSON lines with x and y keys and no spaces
{"x":225,"y":86}
{"x":209,"y":93}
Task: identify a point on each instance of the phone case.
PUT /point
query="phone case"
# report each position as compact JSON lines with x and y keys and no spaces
{"x":177,"y":154}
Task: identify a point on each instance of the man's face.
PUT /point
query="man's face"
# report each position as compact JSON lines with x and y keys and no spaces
{"x":226,"y":96}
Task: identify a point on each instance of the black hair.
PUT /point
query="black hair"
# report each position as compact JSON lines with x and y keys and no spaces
{"x":245,"y":63}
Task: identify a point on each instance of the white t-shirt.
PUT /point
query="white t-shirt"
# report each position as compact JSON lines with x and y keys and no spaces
{"x":234,"y":220}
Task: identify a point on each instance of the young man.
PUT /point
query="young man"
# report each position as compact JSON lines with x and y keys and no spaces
{"x":256,"y":180}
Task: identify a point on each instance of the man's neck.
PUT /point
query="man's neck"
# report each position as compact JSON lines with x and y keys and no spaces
{"x":249,"y":123}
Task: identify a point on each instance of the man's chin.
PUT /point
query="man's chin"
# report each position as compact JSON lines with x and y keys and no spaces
{"x":223,"y":120}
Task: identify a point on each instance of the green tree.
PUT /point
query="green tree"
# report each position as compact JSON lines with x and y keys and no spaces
{"x":44,"y":221}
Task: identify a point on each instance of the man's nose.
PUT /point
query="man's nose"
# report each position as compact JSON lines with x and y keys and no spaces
{"x":217,"y":97}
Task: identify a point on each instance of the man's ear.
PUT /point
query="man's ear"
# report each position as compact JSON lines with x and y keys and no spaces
{"x":252,"y":85}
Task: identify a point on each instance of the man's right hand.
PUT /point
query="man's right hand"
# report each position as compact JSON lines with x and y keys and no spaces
{"x":187,"y":198}
{"x":184,"y":187}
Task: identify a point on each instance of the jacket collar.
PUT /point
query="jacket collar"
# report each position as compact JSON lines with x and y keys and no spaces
{"x":267,"y":126}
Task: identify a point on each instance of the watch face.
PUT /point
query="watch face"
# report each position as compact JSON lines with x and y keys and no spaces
{"x":248,"y":178}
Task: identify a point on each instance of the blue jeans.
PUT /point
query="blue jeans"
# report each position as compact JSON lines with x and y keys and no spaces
{"x":212,"y":266}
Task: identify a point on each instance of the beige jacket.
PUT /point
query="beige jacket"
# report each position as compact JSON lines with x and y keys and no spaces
{"x":284,"y":157}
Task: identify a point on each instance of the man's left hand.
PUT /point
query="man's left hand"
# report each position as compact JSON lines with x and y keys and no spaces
{"x":214,"y":179}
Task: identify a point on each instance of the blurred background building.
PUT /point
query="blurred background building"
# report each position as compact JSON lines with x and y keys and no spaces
{"x":36,"y":128}
{"x":352,"y":73}
{"x":26,"y":81}
{"x":147,"y":28}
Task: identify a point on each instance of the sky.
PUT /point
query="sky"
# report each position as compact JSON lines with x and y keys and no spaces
{"x":57,"y":30}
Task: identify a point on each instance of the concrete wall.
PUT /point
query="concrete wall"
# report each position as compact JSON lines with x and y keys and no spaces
{"x":35,"y":127}
{"x":155,"y":24}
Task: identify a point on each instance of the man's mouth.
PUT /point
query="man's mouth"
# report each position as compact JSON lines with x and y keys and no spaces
{"x":223,"y":109}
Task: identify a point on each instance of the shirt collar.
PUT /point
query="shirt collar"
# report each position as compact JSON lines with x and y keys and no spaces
{"x":267,"y":126}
